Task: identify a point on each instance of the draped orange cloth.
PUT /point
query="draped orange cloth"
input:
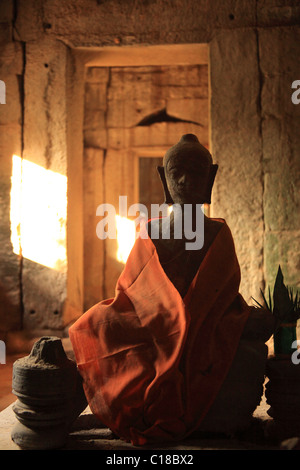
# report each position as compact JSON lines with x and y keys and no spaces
{"x":152,"y":363}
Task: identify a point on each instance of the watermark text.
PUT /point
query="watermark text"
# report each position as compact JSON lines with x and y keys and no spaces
{"x":2,"y":352}
{"x":2,"y":92}
{"x":188,"y":222}
{"x":296,"y":94}
{"x":296,"y":354}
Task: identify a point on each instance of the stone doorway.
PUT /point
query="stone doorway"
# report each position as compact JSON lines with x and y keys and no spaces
{"x":132,"y":114}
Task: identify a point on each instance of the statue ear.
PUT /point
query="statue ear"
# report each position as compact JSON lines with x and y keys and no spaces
{"x":161,"y":172}
{"x":210,"y":183}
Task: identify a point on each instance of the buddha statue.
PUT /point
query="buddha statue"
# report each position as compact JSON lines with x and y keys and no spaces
{"x":188,"y":175}
{"x":177,"y":350}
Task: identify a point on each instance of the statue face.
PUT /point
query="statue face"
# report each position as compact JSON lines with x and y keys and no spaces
{"x":187,"y":179}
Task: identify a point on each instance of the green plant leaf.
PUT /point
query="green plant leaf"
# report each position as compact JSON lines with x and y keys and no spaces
{"x":257,"y":302}
{"x":286,"y":305}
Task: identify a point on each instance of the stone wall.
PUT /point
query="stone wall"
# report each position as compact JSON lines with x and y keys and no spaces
{"x":280,"y":119}
{"x":254,"y":57}
{"x":237,"y":147}
{"x":11,"y":118}
{"x":257,"y":140}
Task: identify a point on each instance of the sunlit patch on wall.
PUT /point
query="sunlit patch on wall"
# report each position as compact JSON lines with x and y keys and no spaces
{"x":38,"y":213}
{"x":126,"y":235}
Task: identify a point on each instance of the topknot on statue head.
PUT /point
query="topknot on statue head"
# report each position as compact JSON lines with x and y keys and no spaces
{"x":188,"y":146}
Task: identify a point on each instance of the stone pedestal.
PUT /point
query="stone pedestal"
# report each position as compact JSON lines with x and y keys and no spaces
{"x":46,"y":384}
{"x":283,"y":396}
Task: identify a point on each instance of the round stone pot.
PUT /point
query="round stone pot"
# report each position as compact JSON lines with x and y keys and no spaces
{"x":45,"y":384}
{"x":283,"y":395}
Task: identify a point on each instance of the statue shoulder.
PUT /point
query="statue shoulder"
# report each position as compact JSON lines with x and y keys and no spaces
{"x":213,"y":226}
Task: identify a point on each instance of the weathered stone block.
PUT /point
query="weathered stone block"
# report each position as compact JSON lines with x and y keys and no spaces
{"x":237,"y":148}
{"x":5,"y":33}
{"x":181,"y":75}
{"x":119,"y":171}
{"x":195,"y":110}
{"x":281,"y":198}
{"x":279,"y":53}
{"x":44,"y":288}
{"x":96,"y":96}
{"x":44,"y":293}
{"x":158,"y":82}
{"x":270,"y":12}
{"x":132,"y":89}
{"x":93,"y":194}
{"x":282,"y":248}
{"x":6,"y":11}
{"x":121,"y":77}
{"x":10,"y":144}
{"x":161,"y":134}
{"x":10,"y":294}
{"x":97,"y":74}
{"x":278,"y":61}
{"x":160,"y":75}
{"x":146,"y":89}
{"x":45,"y":105}
{"x":117,"y":23}
{"x":94,"y":119}
{"x":96,"y":138}
{"x":11,"y":60}
{"x":128,"y":113}
{"x":29,"y":21}
{"x":189,"y":92}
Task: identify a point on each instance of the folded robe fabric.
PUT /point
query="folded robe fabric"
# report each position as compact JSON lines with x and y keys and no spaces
{"x":152,"y":363}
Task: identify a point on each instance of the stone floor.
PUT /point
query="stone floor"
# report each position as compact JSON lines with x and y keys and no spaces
{"x":88,"y":434}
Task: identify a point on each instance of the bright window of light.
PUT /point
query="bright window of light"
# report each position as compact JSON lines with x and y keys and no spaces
{"x":38,"y":213}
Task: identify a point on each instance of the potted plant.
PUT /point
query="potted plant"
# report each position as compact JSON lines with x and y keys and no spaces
{"x":282,"y":389}
{"x":285,"y":307}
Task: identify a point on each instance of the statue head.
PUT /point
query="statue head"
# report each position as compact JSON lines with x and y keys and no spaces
{"x":188,"y":172}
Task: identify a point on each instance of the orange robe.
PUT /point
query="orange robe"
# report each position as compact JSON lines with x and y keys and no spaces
{"x":152,"y":363}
